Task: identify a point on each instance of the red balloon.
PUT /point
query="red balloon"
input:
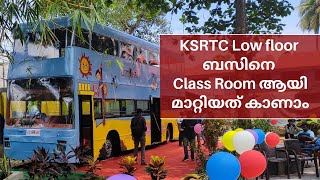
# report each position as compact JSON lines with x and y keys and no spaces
{"x":253,"y":164}
{"x":274,"y":121}
{"x":272,"y":139}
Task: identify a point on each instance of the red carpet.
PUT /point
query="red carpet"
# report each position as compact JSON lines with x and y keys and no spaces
{"x":173,"y":162}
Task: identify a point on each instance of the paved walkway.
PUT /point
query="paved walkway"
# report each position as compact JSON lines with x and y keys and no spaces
{"x":173,"y":158}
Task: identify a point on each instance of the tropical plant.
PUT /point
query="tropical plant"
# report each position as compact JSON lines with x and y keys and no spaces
{"x":242,"y":123}
{"x":261,"y":16}
{"x":156,"y":168}
{"x":309,"y":13}
{"x":80,"y":153}
{"x":213,"y":129}
{"x":91,"y":172}
{"x":42,"y":165}
{"x":262,"y":124}
{"x":201,"y":158}
{"x":128,"y":165}
{"x":5,"y":167}
{"x":62,"y":159}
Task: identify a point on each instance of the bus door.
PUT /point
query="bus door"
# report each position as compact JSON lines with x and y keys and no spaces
{"x":155,"y":120}
{"x":86,"y":121}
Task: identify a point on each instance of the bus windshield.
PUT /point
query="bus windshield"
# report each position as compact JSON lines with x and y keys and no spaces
{"x":40,"y":103}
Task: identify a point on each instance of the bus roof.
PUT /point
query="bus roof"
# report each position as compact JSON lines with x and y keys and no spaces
{"x":65,"y":21}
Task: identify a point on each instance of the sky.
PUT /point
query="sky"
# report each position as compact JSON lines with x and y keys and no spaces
{"x":290,"y":21}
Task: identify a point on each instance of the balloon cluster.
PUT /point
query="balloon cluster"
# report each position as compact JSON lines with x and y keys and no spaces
{"x":251,"y":163}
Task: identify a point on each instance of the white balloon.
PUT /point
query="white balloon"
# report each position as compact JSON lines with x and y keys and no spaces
{"x":243,"y":141}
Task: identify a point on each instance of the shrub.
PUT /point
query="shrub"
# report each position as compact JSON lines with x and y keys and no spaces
{"x":93,"y":166}
{"x":127,"y":164}
{"x":156,"y":168}
{"x":42,"y":165}
{"x":262,"y":124}
{"x":242,"y":123}
{"x":5,"y":167}
{"x":213,"y":129}
{"x":201,"y":158}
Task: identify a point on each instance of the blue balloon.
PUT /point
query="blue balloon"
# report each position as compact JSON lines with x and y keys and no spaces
{"x":223,"y":166}
{"x":121,"y":177}
{"x":261,"y":135}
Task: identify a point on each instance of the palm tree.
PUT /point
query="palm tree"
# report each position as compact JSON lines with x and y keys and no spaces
{"x":309,"y":11}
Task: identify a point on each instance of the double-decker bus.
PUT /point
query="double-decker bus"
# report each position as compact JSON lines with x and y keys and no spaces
{"x":82,"y":91}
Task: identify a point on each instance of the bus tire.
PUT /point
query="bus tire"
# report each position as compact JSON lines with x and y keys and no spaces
{"x":112,"y":145}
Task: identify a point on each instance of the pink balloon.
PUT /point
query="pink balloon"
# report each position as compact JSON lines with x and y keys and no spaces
{"x":198,"y":128}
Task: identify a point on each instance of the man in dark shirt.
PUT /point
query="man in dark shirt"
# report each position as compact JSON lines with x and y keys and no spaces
{"x":138,"y":131}
{"x":188,"y":137}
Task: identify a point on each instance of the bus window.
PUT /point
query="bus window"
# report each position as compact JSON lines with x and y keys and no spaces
{"x":44,"y":49}
{"x":127,"y":108}
{"x":153,"y":58}
{"x":86,"y":110}
{"x":41,"y":103}
{"x":83,"y":41}
{"x":97,"y":109}
{"x":144,"y":105}
{"x":51,"y":108}
{"x":18,"y":109}
{"x":126,"y":51}
{"x":141,"y":56}
{"x":104,"y":44}
{"x":112,"y":108}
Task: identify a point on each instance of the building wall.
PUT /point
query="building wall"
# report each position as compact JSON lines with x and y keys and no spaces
{"x":4,"y":63}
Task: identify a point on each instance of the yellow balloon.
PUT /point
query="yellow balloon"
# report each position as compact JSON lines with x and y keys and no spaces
{"x":239,"y":129}
{"x":227,"y":140}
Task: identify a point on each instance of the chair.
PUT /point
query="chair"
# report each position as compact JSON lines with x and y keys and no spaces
{"x":296,"y":153}
{"x":273,"y":156}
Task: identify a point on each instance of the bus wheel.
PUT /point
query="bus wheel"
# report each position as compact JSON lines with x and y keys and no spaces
{"x":112,"y":145}
{"x":108,"y":148}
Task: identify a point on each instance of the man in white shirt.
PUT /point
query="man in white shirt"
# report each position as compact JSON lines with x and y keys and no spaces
{"x":179,"y":121}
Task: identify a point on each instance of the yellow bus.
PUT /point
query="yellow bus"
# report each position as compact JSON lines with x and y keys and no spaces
{"x":76,"y":92}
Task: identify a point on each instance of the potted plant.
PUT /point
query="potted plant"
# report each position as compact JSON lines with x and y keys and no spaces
{"x":156,"y":168}
{"x":128,"y":165}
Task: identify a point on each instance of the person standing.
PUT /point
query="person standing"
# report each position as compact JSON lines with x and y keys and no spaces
{"x":138,"y":131}
{"x":188,"y":137}
{"x":179,"y":121}
{"x":291,"y":129}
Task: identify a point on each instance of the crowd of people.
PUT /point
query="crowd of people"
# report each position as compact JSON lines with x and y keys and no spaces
{"x":304,"y":134}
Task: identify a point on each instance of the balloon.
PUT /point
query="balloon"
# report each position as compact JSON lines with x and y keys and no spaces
{"x":223,"y":166}
{"x":243,"y":141}
{"x":272,"y":139}
{"x":239,"y":129}
{"x":253,"y":164}
{"x":198,"y":128}
{"x":274,"y":121}
{"x":255,"y":135}
{"x":261,"y":135}
{"x":121,"y":177}
{"x":227,"y":140}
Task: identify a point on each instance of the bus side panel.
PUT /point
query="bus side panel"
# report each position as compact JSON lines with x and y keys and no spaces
{"x":122,"y":129}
